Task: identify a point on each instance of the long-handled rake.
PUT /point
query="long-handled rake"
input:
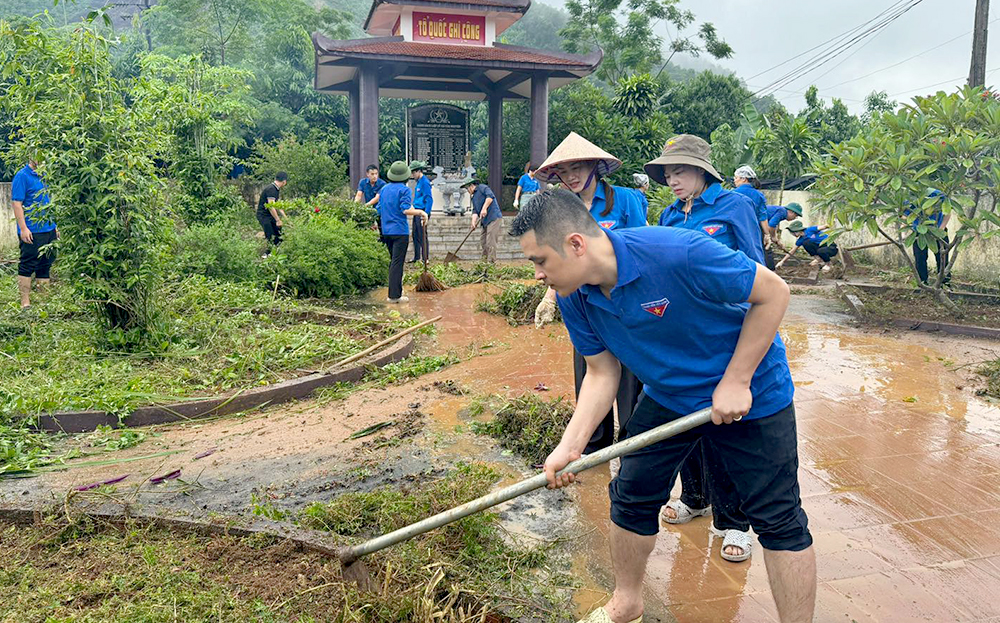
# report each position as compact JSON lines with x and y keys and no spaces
{"x":354,"y":570}
{"x":451,"y":258}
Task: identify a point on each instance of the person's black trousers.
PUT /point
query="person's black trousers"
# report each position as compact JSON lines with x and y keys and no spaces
{"x":629,"y":388}
{"x":920,"y":260}
{"x":704,"y":481}
{"x":418,"y":239}
{"x":825,"y":252}
{"x":271,"y":230}
{"x":397,"y":252}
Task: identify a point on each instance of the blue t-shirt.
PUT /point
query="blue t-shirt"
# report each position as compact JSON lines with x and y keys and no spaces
{"x":423,"y":199}
{"x":722,"y":214}
{"x":756,"y":198}
{"x":776,"y":214}
{"x":479,"y":199}
{"x":810,"y":234}
{"x":626,"y":212}
{"x":674,"y":318}
{"x":527,"y":184}
{"x":645,"y":205}
{"x":395,"y":198}
{"x":369,"y":190}
{"x":29,"y":189}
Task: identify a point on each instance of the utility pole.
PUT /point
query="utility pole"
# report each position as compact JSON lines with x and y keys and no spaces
{"x":977,"y":70}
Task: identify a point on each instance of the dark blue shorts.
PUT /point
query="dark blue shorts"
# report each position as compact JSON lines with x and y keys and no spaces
{"x":760,"y":455}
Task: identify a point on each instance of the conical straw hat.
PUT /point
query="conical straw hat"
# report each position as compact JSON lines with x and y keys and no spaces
{"x":575,"y":148}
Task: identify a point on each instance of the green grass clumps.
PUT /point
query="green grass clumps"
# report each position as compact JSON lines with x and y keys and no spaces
{"x":516,"y":302}
{"x":453,"y":275}
{"x":528,"y":426}
{"x":471,"y":564}
{"x":990,"y":372}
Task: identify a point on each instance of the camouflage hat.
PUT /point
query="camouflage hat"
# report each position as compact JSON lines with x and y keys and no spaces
{"x":683,"y":149}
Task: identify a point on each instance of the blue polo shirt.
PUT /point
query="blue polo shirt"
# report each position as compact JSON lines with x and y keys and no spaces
{"x":756,"y":198}
{"x":479,"y":199}
{"x":722,"y":214}
{"x":810,"y":234}
{"x":674,"y":318}
{"x":395,"y":198}
{"x":626,"y":212}
{"x":29,"y":189}
{"x":423,"y":199}
{"x":369,"y":190}
{"x":776,"y":214}
{"x":527,"y":184}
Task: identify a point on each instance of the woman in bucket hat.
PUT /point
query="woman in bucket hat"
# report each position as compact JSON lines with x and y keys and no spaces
{"x":580,"y":166}
{"x":395,"y":204}
{"x":728,"y":217}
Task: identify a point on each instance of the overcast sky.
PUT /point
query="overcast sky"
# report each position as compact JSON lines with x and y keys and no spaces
{"x":764,"y":33}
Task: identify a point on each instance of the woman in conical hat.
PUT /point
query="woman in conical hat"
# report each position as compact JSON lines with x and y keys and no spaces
{"x":580,"y":166}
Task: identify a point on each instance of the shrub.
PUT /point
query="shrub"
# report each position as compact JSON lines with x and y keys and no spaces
{"x":313,"y":166}
{"x":220,"y":203}
{"x":324,"y":257}
{"x":220,"y":251}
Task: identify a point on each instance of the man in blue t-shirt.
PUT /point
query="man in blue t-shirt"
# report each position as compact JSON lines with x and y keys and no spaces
{"x":486,"y":212}
{"x":697,"y":323}
{"x":423,"y":199}
{"x":368,"y":193}
{"x":35,"y":230}
{"x":811,"y":239}
{"x":527,"y":186}
{"x":776,"y":214}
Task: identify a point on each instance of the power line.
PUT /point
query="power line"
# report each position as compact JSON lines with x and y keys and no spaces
{"x":950,"y":80}
{"x":833,"y":51}
{"x":906,"y":60}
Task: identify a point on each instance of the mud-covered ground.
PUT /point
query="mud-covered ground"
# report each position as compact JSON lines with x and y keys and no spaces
{"x":899,"y":462}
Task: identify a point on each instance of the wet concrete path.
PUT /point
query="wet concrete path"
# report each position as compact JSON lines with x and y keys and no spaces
{"x":900,"y":466}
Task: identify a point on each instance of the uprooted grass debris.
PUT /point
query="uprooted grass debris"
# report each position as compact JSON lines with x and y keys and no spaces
{"x":471,"y":570}
{"x":516,"y":302}
{"x":990,"y":371}
{"x":527,"y":425}
{"x":453,"y":275}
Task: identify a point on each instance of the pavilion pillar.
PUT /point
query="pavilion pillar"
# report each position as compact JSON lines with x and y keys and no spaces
{"x":539,"y":118}
{"x":496,"y":144}
{"x":367,"y":117}
{"x":355,"y":165}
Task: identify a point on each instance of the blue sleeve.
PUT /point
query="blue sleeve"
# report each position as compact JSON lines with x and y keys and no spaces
{"x":634,"y":215}
{"x":748,"y":236}
{"x":405,"y":200}
{"x":19,"y":188}
{"x":718,"y":273}
{"x":774,"y":221}
{"x":800,"y":241}
{"x":379,"y":185}
{"x":662,"y":221}
{"x":580,"y":332}
{"x":520,"y":181}
{"x":361,"y":184}
{"x":761,"y":209}
{"x":489,"y":193}
{"x":644,"y":201}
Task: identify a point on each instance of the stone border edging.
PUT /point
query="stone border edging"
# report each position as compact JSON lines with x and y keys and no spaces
{"x":975,"y":297}
{"x":309,"y":539}
{"x":232,"y":402}
{"x":856,"y":307}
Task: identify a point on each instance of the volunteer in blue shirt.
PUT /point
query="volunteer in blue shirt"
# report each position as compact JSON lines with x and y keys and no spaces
{"x":745,"y":182}
{"x":776,"y":214}
{"x":704,"y":206}
{"x":423,"y":199}
{"x":486,"y":214}
{"x":581,"y":166}
{"x":368,"y":190}
{"x":641,"y":181}
{"x":811,"y":239}
{"x":936,"y":219}
{"x":34,"y":230}
{"x":394,"y":205}
{"x":625,"y":297}
{"x":527,"y":186}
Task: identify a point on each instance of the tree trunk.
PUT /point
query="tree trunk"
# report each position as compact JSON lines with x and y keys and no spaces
{"x":977,"y":68}
{"x":781,"y":192}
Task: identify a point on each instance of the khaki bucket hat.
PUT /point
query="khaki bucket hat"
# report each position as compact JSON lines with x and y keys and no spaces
{"x":575,"y":148}
{"x":683,"y":149}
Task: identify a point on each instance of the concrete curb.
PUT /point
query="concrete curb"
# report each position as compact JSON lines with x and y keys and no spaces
{"x":231,"y":402}
{"x":118,"y":514}
{"x":974,"y":297}
{"x":856,"y":306}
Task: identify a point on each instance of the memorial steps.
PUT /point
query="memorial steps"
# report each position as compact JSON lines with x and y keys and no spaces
{"x":445,"y":233}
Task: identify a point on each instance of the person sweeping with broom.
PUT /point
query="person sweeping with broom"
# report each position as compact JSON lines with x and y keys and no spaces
{"x":395,"y":204}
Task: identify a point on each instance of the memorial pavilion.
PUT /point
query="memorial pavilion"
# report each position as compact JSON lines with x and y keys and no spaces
{"x":442,"y":50}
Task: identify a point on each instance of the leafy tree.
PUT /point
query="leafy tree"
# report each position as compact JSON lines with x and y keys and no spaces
{"x":876,"y":103}
{"x":731,"y":147}
{"x":313,"y":167}
{"x":879,"y":180}
{"x":535,"y":29}
{"x":785,"y":149}
{"x":627,"y":35}
{"x":832,"y":125}
{"x":704,"y":103}
{"x":96,"y":144}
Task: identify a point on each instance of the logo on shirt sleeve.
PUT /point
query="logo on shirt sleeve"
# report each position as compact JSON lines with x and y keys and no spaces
{"x":607,"y":224}
{"x":714,"y":228}
{"x":656,"y":307}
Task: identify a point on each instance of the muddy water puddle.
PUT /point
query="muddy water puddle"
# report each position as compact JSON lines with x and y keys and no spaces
{"x":868,"y":404}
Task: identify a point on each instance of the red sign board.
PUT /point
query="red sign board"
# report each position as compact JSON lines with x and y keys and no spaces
{"x":445,"y":28}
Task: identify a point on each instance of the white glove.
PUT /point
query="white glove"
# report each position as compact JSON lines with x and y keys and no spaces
{"x":516,"y":206}
{"x":545,"y":312}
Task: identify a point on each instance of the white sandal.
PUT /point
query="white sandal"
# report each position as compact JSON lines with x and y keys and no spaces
{"x":735,"y":538}
{"x":601,"y":616}
{"x":684,"y":512}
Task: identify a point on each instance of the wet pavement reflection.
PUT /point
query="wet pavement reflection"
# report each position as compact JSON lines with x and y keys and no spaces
{"x":899,"y":471}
